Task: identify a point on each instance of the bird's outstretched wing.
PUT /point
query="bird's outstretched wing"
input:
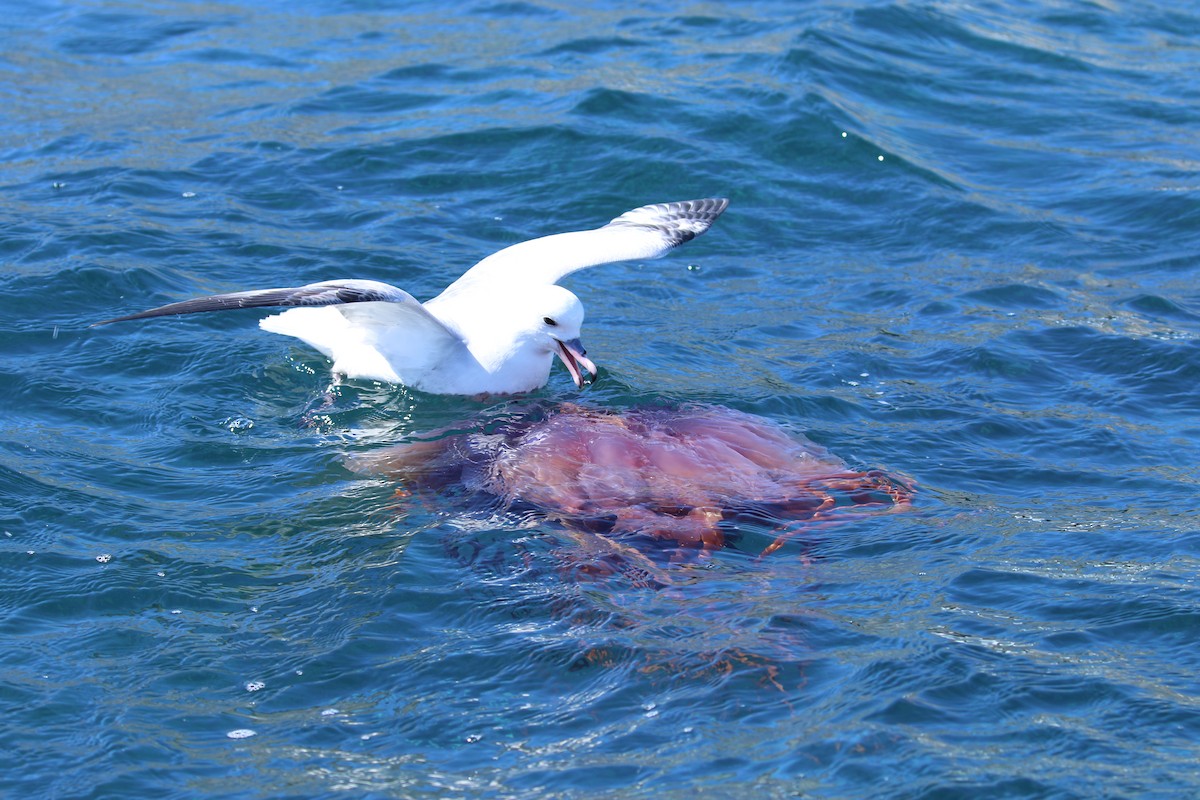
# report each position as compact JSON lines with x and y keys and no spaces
{"x":646,"y":232}
{"x":326,"y":293}
{"x":369,"y":329}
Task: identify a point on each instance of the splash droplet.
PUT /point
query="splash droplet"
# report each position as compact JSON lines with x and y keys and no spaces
{"x":237,"y":424}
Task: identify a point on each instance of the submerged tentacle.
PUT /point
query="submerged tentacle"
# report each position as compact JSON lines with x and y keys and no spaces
{"x":859,"y":486}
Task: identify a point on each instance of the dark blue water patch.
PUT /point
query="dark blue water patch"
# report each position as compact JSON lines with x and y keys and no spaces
{"x":615,"y":107}
{"x":247,"y":167}
{"x":718,"y":28}
{"x":1111,"y":372}
{"x":122,"y":34}
{"x":593,"y":46}
{"x":361,"y":100}
{"x":1136,"y":367}
{"x":463,"y":165}
{"x":1156,"y":307}
{"x":72,"y":145}
{"x":113,"y":187}
{"x":225,"y":55}
{"x":244,"y":112}
{"x":116,"y":593}
{"x":423,"y":74}
{"x":944,"y":34}
{"x":1120,"y":214}
{"x":1055,"y":162}
{"x":998,"y":359}
{"x":509,"y":10}
{"x":1016,"y":296}
{"x":21,"y":242}
{"x":57,"y":186}
{"x":852,"y":72}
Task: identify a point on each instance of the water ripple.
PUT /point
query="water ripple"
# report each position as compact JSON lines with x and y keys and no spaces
{"x":961,"y":247}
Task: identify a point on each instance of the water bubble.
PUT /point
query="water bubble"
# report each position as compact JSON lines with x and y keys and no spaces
{"x":880,"y":158}
{"x":104,"y":558}
{"x":254,"y":686}
{"x":189,"y":194}
{"x":241,"y":733}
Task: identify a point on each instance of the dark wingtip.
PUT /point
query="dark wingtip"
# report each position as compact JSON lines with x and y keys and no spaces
{"x":154,"y":312}
{"x":707,"y":208}
{"x":114,"y":319}
{"x":266,"y":298}
{"x":325,"y":293}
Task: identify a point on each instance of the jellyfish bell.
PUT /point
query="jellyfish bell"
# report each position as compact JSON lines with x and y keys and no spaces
{"x":678,"y":476}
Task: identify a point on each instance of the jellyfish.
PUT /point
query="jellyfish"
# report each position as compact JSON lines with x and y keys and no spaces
{"x":677,"y":480}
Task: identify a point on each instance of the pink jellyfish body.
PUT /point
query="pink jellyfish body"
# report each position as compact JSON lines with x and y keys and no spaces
{"x":678,"y":476}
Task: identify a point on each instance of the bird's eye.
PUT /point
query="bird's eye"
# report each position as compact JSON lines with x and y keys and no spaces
{"x":549,"y":321}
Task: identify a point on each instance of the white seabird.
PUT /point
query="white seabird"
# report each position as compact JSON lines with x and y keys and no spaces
{"x":495,"y":330}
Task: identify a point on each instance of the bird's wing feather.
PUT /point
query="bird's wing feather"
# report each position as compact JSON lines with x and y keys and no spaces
{"x":326,"y":293}
{"x":643,"y":233}
{"x":385,"y":341}
{"x":368,"y":328}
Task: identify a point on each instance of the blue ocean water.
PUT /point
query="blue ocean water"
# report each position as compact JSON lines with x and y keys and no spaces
{"x":961,"y":247}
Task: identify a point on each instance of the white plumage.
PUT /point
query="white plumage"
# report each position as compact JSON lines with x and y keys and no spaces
{"x":495,"y":330}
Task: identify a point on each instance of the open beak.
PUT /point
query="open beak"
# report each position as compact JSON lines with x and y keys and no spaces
{"x":573,"y":355}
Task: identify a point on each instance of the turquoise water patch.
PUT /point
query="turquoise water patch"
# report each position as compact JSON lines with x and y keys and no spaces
{"x":961,"y":248}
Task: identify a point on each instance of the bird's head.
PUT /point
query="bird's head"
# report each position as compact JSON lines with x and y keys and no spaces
{"x":519,"y":331}
{"x":558,"y":317}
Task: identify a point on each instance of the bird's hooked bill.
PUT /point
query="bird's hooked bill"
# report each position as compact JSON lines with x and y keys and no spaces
{"x":572,"y":354}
